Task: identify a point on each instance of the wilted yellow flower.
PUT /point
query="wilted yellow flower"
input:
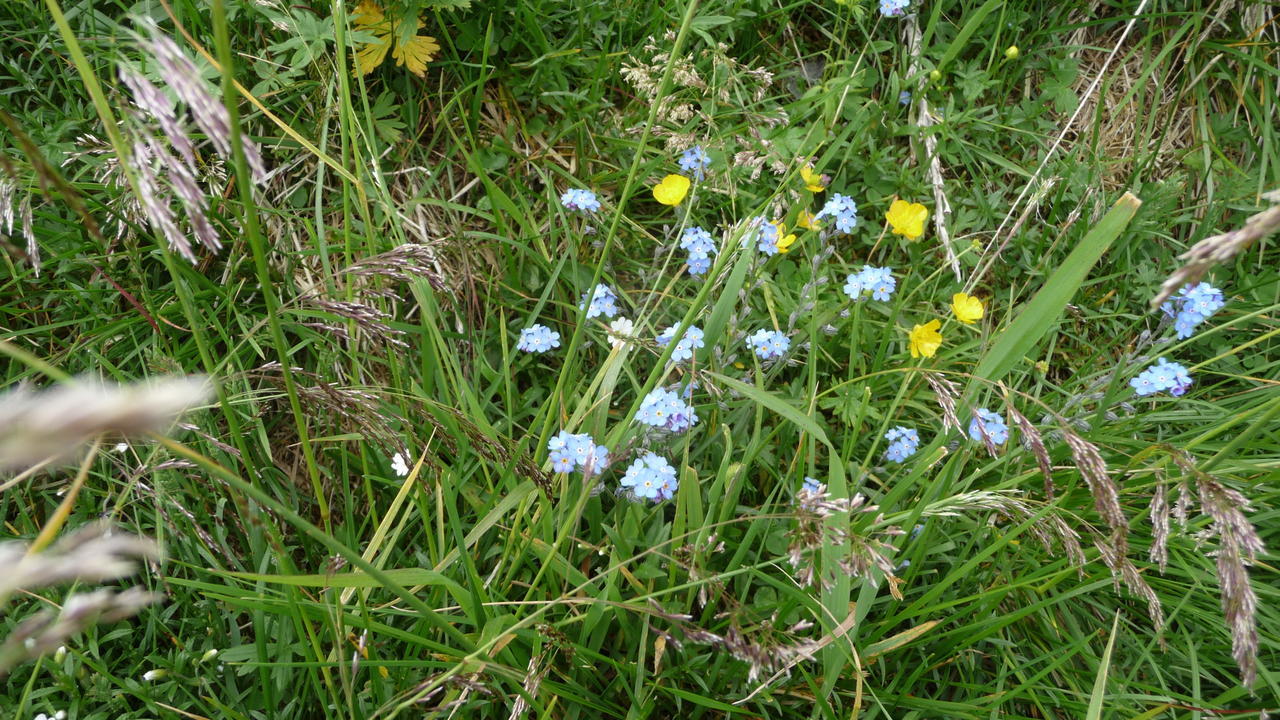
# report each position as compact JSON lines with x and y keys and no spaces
{"x":413,"y":54}
{"x":813,"y":181}
{"x":907,"y":219}
{"x":671,"y":190}
{"x":925,"y":339}
{"x":968,"y":309}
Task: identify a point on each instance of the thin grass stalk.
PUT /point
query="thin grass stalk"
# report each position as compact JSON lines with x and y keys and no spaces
{"x":244,"y":185}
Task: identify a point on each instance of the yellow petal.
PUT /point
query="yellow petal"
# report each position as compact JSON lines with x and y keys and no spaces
{"x":805,"y":220}
{"x":907,"y":219}
{"x":671,"y":190}
{"x":925,"y":340}
{"x":967,"y":308}
{"x":785,"y":243}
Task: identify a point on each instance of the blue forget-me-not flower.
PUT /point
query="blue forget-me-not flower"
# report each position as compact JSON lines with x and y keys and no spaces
{"x":1191,"y":306}
{"x":842,"y":209}
{"x":695,"y":161}
{"x":769,"y":344}
{"x":666,"y":409}
{"x":879,"y":283}
{"x":583,"y":201}
{"x":651,"y":477}
{"x":1161,"y":377}
{"x":991,"y":424}
{"x":903,"y":443}
{"x":538,"y":338}
{"x":570,"y":451}
{"x":602,"y":301}
{"x":691,"y":341}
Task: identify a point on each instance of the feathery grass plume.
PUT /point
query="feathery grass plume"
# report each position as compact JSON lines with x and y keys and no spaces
{"x":1114,"y":548}
{"x":1106,"y":495}
{"x":155,"y":207}
{"x":1048,"y":530}
{"x":1159,"y":552}
{"x":945,"y":392}
{"x":8,"y":211}
{"x":1034,"y":441}
{"x":764,"y":648}
{"x":402,"y":264}
{"x":50,"y":423}
{"x":812,"y":531}
{"x":125,"y":205}
{"x":1220,"y":248}
{"x":371,"y":321}
{"x":1238,"y":548}
{"x":46,"y":630}
{"x":90,"y":555}
{"x":183,"y":77}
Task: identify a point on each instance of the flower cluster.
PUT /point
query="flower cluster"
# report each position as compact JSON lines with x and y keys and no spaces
{"x":903,"y":443}
{"x":843,"y":210}
{"x":812,"y":486}
{"x":570,"y":451}
{"x":691,"y":341}
{"x":894,"y":8}
{"x":666,"y":409}
{"x":1164,"y":375}
{"x":1193,"y":305}
{"x":700,"y":246}
{"x":769,"y":344}
{"x":602,"y":301}
{"x":651,"y":477}
{"x":583,"y":201}
{"x":991,"y":425}
{"x":878,"y":282}
{"x":695,"y":161}
{"x":538,"y":338}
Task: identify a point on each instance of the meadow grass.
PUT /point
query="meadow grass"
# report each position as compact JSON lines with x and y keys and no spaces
{"x":362,"y":519}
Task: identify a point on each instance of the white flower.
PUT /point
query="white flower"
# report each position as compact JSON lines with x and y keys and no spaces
{"x":121,"y":447}
{"x":621,"y":331}
{"x":400,"y":464}
{"x":151,"y":675}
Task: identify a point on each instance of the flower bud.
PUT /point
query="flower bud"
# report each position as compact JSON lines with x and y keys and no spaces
{"x":1012,"y":53}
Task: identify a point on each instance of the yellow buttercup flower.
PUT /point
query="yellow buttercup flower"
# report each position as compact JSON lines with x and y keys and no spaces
{"x":925,"y":339}
{"x":967,"y":308}
{"x":785,"y":241}
{"x":813,"y":181}
{"x":671,"y":190}
{"x":806,"y":221}
{"x":907,"y":219}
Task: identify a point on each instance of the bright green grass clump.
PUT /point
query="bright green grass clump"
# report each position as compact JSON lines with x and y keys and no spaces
{"x":639,"y":360}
